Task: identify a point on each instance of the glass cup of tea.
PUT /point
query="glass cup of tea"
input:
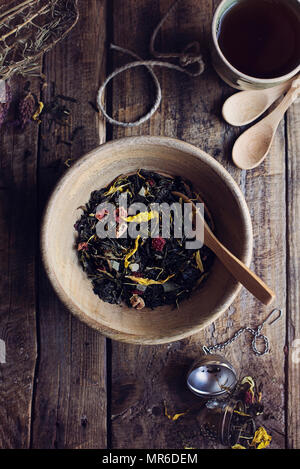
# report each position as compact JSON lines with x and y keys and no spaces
{"x":256,"y":43}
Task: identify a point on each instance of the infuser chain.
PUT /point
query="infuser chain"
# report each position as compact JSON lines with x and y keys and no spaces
{"x":256,"y":335}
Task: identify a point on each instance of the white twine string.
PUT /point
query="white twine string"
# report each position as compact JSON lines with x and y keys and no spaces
{"x":190,"y":55}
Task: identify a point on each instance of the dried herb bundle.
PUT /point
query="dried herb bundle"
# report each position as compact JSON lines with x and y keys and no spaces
{"x":29,"y":28}
{"x":144,"y":271}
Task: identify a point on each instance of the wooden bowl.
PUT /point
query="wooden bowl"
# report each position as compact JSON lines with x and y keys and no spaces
{"x":97,"y":169}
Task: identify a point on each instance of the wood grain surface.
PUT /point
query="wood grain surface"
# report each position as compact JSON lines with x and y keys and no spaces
{"x":63,"y":384}
{"x":70,"y":387}
{"x":293,"y":268}
{"x":191,"y":110}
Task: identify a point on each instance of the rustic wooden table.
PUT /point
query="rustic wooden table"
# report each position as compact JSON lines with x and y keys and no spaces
{"x":63,"y":385}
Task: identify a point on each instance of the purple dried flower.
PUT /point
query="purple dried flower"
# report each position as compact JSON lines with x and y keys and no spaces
{"x":4,"y":107}
{"x":26,"y":109}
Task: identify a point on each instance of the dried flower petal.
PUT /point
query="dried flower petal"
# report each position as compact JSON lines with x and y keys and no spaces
{"x":101,"y":214}
{"x":199,"y":261}
{"x":261,"y":438}
{"x":175,"y":416}
{"x":37,"y":113}
{"x":82,"y":245}
{"x":130,"y":254}
{"x":143,"y":216}
{"x":148,"y":281}
{"x":114,"y":189}
{"x":250,"y":392}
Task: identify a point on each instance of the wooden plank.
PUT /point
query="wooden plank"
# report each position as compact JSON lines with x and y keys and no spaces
{"x":70,"y":391}
{"x":293,"y":299}
{"x":145,"y":377}
{"x":18,"y":232}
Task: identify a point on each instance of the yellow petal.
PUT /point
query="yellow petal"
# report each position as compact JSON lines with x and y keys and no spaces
{"x":261,"y":438}
{"x":142,"y":217}
{"x":90,"y":238}
{"x":175,"y":416}
{"x":114,"y":189}
{"x":130,"y":254}
{"x":250,"y":381}
{"x":148,"y":281}
{"x":138,"y":173}
{"x":38,"y":111}
{"x":200,"y":280}
{"x":199,"y":261}
{"x":241,"y":413}
{"x":238,"y":447}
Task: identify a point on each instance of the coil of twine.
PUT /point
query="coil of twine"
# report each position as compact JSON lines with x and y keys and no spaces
{"x":189,"y":56}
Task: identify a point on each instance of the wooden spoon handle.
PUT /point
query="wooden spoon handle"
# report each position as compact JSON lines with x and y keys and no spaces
{"x":277,"y":114}
{"x":236,"y":267}
{"x":242,"y":273}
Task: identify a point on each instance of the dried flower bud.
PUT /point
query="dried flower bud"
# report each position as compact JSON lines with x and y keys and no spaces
{"x":26,"y":109}
{"x":137,"y":302}
{"x":4,"y":107}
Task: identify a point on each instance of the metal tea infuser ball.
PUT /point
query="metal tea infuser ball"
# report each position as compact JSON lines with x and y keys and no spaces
{"x":214,"y":379}
{"x":212,"y":375}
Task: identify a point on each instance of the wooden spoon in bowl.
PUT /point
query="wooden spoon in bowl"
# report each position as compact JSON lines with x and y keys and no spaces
{"x":236,"y":267}
{"x":251,"y":148}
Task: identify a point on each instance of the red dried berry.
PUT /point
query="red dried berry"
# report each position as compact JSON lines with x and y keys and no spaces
{"x":158,"y":243}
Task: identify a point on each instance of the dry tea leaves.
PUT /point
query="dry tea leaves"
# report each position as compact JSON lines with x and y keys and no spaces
{"x":144,"y":271}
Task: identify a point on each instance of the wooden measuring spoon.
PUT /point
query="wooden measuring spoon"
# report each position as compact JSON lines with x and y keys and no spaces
{"x":236,"y":267}
{"x":251,"y":148}
{"x":246,"y":106}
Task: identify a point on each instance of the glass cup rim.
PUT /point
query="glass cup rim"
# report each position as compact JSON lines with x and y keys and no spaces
{"x":249,"y":78}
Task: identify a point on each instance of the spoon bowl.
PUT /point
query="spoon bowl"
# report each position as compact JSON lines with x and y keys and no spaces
{"x":249,"y":151}
{"x":246,"y":106}
{"x":252,"y":147}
